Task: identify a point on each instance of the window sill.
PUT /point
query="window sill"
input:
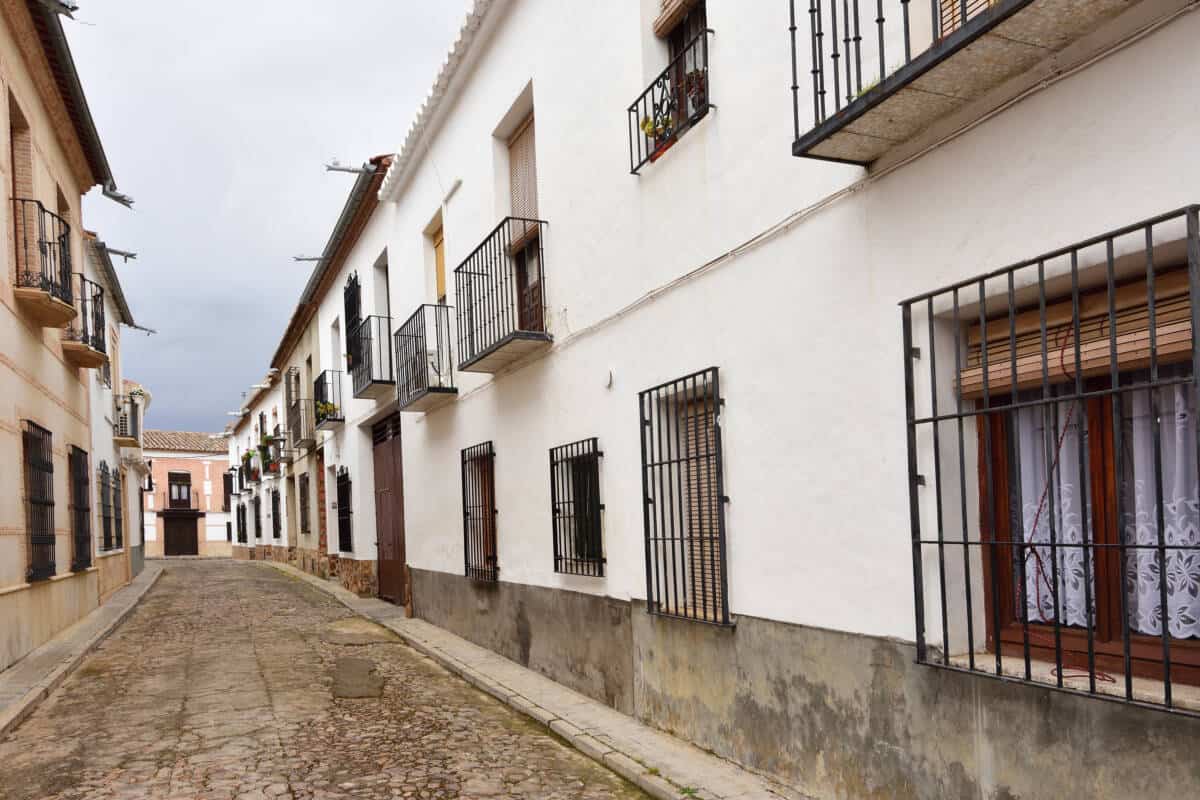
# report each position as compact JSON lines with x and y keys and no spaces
{"x":1145,"y":690}
{"x":109,"y":553}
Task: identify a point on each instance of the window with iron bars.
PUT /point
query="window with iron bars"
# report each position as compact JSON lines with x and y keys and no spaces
{"x":39,"y":499}
{"x":303,"y":499}
{"x":479,"y":512}
{"x":105,"y":489}
{"x":575,"y":508}
{"x":276,"y":526}
{"x":81,"y":508}
{"x":241,"y":523}
{"x":684,"y":498}
{"x":258,"y":518}
{"x":345,"y":531}
{"x":1052,"y":453}
{"x":118,"y":514}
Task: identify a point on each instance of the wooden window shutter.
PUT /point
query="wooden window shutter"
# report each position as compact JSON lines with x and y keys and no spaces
{"x":522,"y":172}
{"x":702,"y":535}
{"x":439,"y":261}
{"x":1173,"y":337}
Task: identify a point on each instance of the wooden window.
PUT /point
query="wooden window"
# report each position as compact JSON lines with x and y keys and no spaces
{"x":276,"y":526}
{"x":345,"y":529}
{"x":227,"y":491}
{"x":439,"y":264}
{"x":105,"y":489}
{"x":81,"y":508}
{"x":479,"y":512}
{"x":1049,"y":481}
{"x":258,"y":531}
{"x":118,"y":510}
{"x":676,"y":14}
{"x":522,"y":171}
{"x":179,"y":490}
{"x":39,"y":499}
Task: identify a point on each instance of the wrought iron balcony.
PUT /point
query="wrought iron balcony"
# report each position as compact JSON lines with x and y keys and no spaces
{"x":179,"y":499}
{"x":84,"y":342}
{"x":501,"y":305}
{"x":674,"y":101}
{"x":424,"y":363}
{"x":370,"y":354}
{"x":327,"y":400}
{"x":43,"y":247}
{"x":127,"y":421}
{"x":882,"y":73}
{"x":301,"y":422}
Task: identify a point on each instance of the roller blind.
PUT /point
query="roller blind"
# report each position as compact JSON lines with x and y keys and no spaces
{"x":1173,"y":337}
{"x":522,"y":172}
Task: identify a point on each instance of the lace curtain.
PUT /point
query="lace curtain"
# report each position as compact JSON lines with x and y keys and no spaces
{"x":1046,"y":448}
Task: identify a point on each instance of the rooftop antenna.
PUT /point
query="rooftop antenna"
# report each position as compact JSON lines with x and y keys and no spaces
{"x":125,"y":254}
{"x":337,"y":166}
{"x":307,"y":258}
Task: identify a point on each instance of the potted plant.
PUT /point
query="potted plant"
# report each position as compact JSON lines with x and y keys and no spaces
{"x":695,"y":85}
{"x":660,"y":128}
{"x":326,"y":410}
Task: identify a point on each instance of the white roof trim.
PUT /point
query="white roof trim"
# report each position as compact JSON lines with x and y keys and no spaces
{"x":404,"y":160}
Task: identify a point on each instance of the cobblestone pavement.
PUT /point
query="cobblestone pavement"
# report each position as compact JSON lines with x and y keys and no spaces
{"x":234,"y":681}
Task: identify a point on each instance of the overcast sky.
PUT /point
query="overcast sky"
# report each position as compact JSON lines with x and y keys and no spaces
{"x":217,"y":116}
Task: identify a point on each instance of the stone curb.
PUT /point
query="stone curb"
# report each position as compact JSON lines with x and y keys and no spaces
{"x":646,"y":777}
{"x":19,"y":711}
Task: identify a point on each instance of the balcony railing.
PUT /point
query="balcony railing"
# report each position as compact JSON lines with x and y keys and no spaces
{"x":43,"y":250}
{"x":1052,"y":460}
{"x":424,"y":362}
{"x":327,"y":400}
{"x":882,"y":72}
{"x":500,"y":290}
{"x":127,"y":421}
{"x":301,"y":421}
{"x":179,"y":498}
{"x":84,"y":342}
{"x":674,"y":101}
{"x":371,"y":367}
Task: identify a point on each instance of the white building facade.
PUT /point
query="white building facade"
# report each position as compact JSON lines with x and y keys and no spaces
{"x":686,"y":439}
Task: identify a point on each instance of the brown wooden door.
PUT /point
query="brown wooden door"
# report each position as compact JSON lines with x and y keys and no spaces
{"x":389,"y":511}
{"x":179,"y":537}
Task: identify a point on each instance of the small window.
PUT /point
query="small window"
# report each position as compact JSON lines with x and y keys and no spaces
{"x":81,"y":509}
{"x":258,"y":517}
{"x":683,"y":492}
{"x":479,"y":512}
{"x":352,"y":303}
{"x":576,"y":508}
{"x":276,"y":527}
{"x":118,"y":514}
{"x":39,"y":497}
{"x":345,"y":532}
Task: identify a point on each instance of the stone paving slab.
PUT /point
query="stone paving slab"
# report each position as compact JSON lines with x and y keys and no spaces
{"x":31,"y":680}
{"x":660,"y":764}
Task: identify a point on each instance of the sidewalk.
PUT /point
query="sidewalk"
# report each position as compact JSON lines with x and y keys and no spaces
{"x":662,"y":765}
{"x":25,"y":684}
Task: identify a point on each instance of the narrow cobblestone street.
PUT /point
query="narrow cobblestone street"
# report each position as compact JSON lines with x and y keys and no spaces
{"x":236,"y":681}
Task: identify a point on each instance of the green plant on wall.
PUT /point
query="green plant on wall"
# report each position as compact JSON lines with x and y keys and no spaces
{"x":326,"y":410}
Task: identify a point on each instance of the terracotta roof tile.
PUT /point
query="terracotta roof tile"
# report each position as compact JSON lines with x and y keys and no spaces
{"x":185,"y":441}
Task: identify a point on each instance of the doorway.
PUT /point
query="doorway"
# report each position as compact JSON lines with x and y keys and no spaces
{"x":179,"y":537}
{"x":389,"y":510}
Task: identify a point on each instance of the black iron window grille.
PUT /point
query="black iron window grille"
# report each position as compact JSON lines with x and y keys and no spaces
{"x":501,"y":291}
{"x":424,"y":362}
{"x":327,"y":397}
{"x":302,"y":484}
{"x":228,"y":531}
{"x":241,"y":523}
{"x":676,"y":99}
{"x":89,"y":327}
{"x":105,"y":489}
{"x":1052,"y":421}
{"x":345,"y":529}
{"x":479,"y":512}
{"x":276,"y":522}
{"x":258,"y":531}
{"x":575,"y":508}
{"x":371,"y":353}
{"x":226,"y":491}
{"x":43,"y":250}
{"x":117,"y":512}
{"x":352,"y":308}
{"x":39,"y":499}
{"x":81,"y":508}
{"x":684,"y":498}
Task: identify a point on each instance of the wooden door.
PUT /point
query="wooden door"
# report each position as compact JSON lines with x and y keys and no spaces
{"x":179,"y":537}
{"x":389,"y":510}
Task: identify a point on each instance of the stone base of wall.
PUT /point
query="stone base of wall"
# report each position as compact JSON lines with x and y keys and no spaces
{"x":215,"y":549}
{"x":32,"y":614}
{"x":358,"y":576}
{"x":114,"y":572}
{"x":583,"y":641}
{"x":279,"y":554}
{"x":243,"y":552}
{"x":312,"y":562}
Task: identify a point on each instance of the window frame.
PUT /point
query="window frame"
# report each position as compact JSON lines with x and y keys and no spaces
{"x":574,"y":533}
{"x":38,"y":458}
{"x":80,"y":477}
{"x":481,"y":559}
